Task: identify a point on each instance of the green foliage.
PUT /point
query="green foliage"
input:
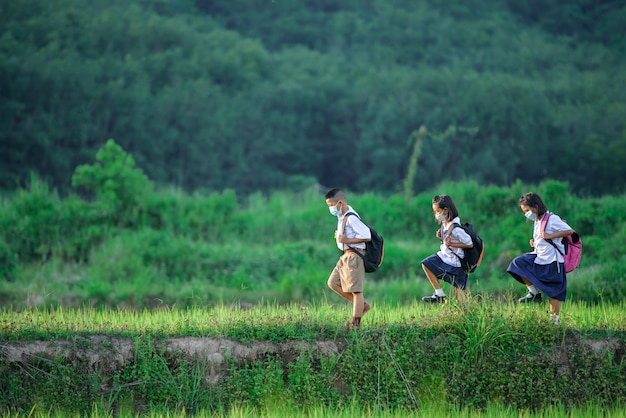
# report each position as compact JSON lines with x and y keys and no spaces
{"x":156,"y":378}
{"x":256,"y":383}
{"x":38,"y":225}
{"x":210,"y":218}
{"x":8,"y":262}
{"x":311,"y":380}
{"x":173,"y":248}
{"x":461,"y":357}
{"x":53,"y":382}
{"x":258,"y":95}
{"x":119,"y":186}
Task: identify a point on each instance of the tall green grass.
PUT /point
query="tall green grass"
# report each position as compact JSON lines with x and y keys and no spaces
{"x":282,"y":409}
{"x":482,"y":318}
{"x":306,"y":317}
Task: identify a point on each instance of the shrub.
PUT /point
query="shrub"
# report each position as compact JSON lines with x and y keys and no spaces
{"x":118,"y":185}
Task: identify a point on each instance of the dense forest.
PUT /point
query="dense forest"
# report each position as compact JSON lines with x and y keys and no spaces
{"x":258,"y":95}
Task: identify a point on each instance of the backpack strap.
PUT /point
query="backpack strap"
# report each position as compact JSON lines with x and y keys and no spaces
{"x":345,"y":219}
{"x":544,"y":223}
{"x":343,"y":230}
{"x":452,"y":226}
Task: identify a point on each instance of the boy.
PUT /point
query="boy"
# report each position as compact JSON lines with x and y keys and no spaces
{"x":348,"y":275}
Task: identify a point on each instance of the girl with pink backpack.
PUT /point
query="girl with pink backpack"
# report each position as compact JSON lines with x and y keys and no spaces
{"x":543,"y":269}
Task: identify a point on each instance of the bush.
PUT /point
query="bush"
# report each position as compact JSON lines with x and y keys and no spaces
{"x":120,"y":188}
{"x":280,"y":246}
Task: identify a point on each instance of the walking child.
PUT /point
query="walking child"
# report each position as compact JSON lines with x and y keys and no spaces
{"x":542,"y":270}
{"x":446,"y":263}
{"x":348,"y":276}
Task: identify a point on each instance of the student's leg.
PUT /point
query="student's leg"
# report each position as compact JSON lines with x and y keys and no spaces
{"x":357,"y":311}
{"x":337,"y":289}
{"x":358,"y":304}
{"x":533,"y":294}
{"x":334,"y":283}
{"x":434,"y":281}
{"x":555,"y":306}
{"x":350,"y":297}
{"x":440,"y":295}
{"x":555,"y":309}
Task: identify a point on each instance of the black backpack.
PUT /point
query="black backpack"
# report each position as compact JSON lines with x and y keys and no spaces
{"x":474,"y":255}
{"x":374,"y":249}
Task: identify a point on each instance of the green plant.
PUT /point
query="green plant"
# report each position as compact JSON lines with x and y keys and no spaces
{"x":118,"y":185}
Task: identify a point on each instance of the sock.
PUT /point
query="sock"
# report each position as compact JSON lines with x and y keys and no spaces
{"x":532,"y":289}
{"x":555,"y":318}
{"x":439,"y":292}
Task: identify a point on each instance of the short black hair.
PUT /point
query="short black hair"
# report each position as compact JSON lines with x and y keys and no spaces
{"x":335,"y":194}
{"x":533,"y":200}
{"x":444,"y":201}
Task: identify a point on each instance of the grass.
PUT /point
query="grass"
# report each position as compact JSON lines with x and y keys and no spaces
{"x":284,"y":410}
{"x":301,"y":321}
{"x":473,"y":341}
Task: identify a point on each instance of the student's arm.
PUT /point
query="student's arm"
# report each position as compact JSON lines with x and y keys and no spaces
{"x":558,"y":234}
{"x":361,"y":231}
{"x":561,"y":228}
{"x":459,"y":239}
{"x":344,"y":240}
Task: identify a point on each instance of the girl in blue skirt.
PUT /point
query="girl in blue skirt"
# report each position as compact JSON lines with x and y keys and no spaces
{"x":446,"y":263}
{"x":542,"y":270}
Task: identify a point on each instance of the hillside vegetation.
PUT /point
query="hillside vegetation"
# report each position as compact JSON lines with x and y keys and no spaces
{"x":258,"y":95}
{"x":182,"y":271}
{"x":127,"y":243}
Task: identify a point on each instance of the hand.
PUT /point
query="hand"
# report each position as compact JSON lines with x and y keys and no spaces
{"x":532,"y":243}
{"x":342,"y":239}
{"x":438,"y":233}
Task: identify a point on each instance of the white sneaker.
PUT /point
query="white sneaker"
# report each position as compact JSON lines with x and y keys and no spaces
{"x":554,"y":318}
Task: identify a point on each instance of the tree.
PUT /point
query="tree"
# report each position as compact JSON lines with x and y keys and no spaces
{"x":118,"y":185}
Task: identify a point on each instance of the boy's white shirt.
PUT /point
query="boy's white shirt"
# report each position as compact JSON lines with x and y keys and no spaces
{"x":458,"y":235}
{"x":355,"y":228}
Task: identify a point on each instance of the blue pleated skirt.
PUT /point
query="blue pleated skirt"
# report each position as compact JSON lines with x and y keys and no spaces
{"x":548,"y":278}
{"x":456,"y":276}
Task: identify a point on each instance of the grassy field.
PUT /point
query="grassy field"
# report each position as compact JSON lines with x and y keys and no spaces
{"x":298,"y":321}
{"x":355,"y":410}
{"x":297,"y":359}
{"x":217,"y":305}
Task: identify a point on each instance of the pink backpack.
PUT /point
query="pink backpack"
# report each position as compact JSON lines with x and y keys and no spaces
{"x":573,"y":245}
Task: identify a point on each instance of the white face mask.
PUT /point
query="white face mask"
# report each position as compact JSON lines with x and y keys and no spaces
{"x":530,"y":215}
{"x":334,"y":211}
{"x":441,"y":217}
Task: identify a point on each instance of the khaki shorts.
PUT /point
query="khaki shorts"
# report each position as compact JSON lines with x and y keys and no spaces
{"x":349,"y":273}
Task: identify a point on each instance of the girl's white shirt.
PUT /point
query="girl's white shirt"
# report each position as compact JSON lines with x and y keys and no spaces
{"x":458,"y":235}
{"x":546,"y":253}
{"x":355,"y":228}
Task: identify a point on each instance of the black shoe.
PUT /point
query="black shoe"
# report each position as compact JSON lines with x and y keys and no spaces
{"x":530,"y":298}
{"x":434,"y":299}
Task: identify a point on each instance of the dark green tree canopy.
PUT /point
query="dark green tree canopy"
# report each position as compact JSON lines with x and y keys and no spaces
{"x":258,"y":94}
